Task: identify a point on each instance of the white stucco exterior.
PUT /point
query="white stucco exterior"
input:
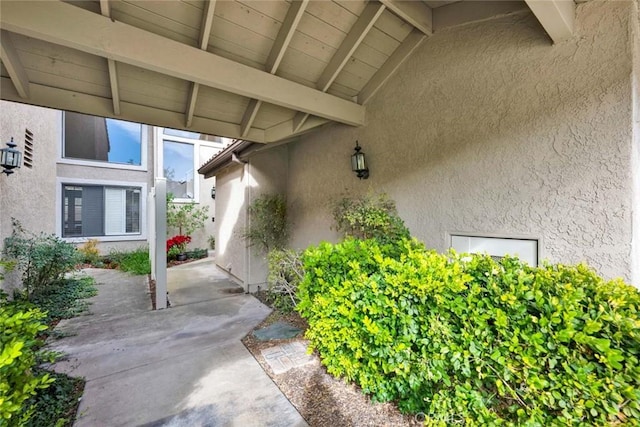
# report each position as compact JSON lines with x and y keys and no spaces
{"x":489,"y":129}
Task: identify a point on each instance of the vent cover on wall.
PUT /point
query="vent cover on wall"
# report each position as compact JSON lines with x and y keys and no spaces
{"x":28,"y":149}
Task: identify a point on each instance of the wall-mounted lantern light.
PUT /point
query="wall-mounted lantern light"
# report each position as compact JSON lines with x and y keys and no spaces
{"x":358,"y":163}
{"x":213,"y":193}
{"x":10,"y":158}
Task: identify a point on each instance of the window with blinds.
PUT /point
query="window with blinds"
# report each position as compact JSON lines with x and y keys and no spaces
{"x":93,"y":211}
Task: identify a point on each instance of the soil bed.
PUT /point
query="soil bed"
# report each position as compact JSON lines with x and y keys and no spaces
{"x":319,"y":397}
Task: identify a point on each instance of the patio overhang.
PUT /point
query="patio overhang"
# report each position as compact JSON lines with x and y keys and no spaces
{"x":254,"y":70}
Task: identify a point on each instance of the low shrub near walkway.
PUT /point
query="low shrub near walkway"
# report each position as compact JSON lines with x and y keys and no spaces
{"x":471,"y":341}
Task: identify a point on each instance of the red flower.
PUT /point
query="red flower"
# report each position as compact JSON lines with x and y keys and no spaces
{"x":179,"y":241}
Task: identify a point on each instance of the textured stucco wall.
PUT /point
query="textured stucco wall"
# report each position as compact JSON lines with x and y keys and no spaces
{"x":266,"y":173}
{"x":635,"y":255}
{"x":230,"y":214}
{"x":488,"y":128}
{"x":28,"y":194}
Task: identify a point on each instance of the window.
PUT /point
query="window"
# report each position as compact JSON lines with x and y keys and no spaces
{"x":97,"y":139}
{"x":94,"y":210}
{"x":179,"y":169}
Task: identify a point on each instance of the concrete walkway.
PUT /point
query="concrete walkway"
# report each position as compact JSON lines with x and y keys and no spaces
{"x":183,"y":366}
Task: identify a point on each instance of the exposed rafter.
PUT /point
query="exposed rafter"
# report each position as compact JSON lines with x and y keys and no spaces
{"x":67,"y":100}
{"x":410,"y":43}
{"x":556,"y":16}
{"x":13,"y":65}
{"x":288,"y":28}
{"x":360,"y":29}
{"x":105,"y":10}
{"x":203,"y":43}
{"x":415,"y":13}
{"x":71,"y":26}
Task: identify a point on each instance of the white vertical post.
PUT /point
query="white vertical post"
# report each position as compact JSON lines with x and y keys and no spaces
{"x":160,"y":239}
{"x":151,"y":227}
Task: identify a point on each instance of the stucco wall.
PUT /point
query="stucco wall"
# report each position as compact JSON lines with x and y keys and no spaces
{"x":488,"y":128}
{"x":28,"y":194}
{"x":230,"y":220}
{"x":237,"y":186}
{"x":635,"y":255}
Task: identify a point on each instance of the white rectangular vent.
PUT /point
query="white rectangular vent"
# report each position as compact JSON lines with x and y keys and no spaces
{"x":497,"y":247}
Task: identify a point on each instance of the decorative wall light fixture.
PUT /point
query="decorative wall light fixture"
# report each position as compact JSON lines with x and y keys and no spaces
{"x":213,"y":193}
{"x":10,"y":158}
{"x":358,"y":163}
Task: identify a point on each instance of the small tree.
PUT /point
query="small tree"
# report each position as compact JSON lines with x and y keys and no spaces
{"x":268,"y":229}
{"x":186,"y":217}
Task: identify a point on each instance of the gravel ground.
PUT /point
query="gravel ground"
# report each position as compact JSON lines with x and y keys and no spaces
{"x":319,"y":397}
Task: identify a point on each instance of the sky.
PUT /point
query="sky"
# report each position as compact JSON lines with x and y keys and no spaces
{"x":124,"y":142}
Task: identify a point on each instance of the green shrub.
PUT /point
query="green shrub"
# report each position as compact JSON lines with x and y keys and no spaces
{"x":43,"y":259}
{"x":212,"y":242}
{"x":57,"y":404}
{"x":19,"y":328}
{"x":285,"y":273}
{"x":197,"y":253}
{"x":88,"y":252}
{"x":474,"y":341}
{"x":268,"y":227}
{"x":135,"y":262}
{"x":369,"y":217}
{"x":185,"y":217}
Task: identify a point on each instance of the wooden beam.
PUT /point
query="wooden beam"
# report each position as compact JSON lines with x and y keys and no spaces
{"x":358,"y":32}
{"x":14,"y":67}
{"x":288,"y":28}
{"x":415,"y":13}
{"x":67,"y":100}
{"x":76,"y":28}
{"x":556,"y":16}
{"x":365,"y":22}
{"x":203,"y":42}
{"x":105,"y":10}
{"x":287,"y":129}
{"x":410,"y":43}
{"x":465,"y":12}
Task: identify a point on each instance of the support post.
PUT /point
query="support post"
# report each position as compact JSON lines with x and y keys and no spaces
{"x":160,"y":239}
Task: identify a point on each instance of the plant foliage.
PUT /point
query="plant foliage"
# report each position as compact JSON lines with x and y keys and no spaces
{"x":285,"y":274}
{"x":135,"y":262}
{"x":89,"y":252}
{"x":185,"y":217}
{"x":20,"y":325}
{"x":468,"y":340}
{"x":369,"y":217}
{"x":268,"y":228}
{"x":66,"y":299}
{"x":43,"y":258}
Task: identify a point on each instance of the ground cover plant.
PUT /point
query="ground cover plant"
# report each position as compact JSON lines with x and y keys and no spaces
{"x":468,"y":340}
{"x":135,"y":262}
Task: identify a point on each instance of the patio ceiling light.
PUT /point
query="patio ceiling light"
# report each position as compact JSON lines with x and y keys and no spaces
{"x":10,"y":158}
{"x":358,"y":163}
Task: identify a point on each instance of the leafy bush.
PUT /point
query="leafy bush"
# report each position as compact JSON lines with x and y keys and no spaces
{"x":19,"y":328}
{"x":197,"y":253}
{"x":285,"y":273}
{"x":57,"y":404}
{"x":370,"y":216}
{"x":269,"y":229}
{"x":136,"y":262}
{"x":43,"y":259}
{"x":89,"y":252}
{"x":212,"y":242}
{"x":66,"y":299}
{"x":185,"y":217}
{"x":474,"y":341}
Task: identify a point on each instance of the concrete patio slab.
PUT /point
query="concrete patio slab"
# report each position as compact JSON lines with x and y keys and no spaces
{"x":183,"y":366}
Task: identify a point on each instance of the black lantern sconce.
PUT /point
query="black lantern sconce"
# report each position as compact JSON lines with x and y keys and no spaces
{"x":10,"y":158}
{"x":358,"y":163}
{"x":213,"y":193}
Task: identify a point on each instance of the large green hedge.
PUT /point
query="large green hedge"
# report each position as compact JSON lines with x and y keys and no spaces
{"x":468,"y":340}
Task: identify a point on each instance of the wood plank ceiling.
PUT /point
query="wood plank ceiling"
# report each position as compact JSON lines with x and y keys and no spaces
{"x":257,"y":70}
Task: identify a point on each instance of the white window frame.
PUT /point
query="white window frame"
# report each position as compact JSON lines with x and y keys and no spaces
{"x":142,"y":235}
{"x":537,"y":239}
{"x":160,"y":137}
{"x":144,"y":143}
